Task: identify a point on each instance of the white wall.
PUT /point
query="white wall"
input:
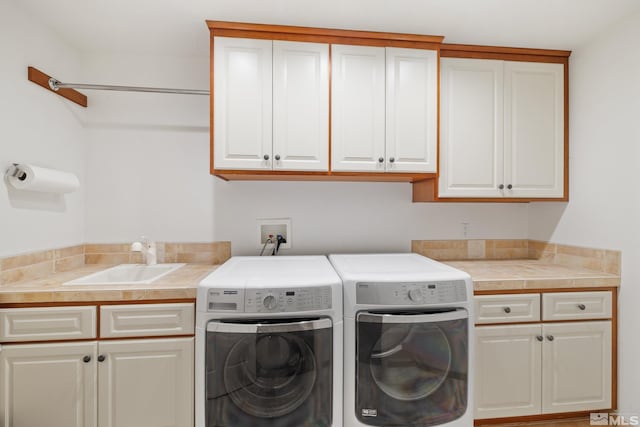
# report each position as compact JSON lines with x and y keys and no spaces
{"x":148,"y":166}
{"x":40,"y":128}
{"x":604,"y":209}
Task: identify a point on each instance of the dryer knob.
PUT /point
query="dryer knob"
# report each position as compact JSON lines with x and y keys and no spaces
{"x":415,"y":295}
{"x":270,"y":302}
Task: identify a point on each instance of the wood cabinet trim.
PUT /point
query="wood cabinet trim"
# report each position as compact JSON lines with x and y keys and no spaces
{"x":268,"y":175}
{"x":243,"y":29}
{"x":454,"y":49}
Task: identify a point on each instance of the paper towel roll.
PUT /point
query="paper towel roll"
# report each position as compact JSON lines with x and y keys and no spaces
{"x":35,"y":178}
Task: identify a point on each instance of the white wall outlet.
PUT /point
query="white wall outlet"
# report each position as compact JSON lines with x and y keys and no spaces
{"x":274,"y":226}
{"x":466,"y":229}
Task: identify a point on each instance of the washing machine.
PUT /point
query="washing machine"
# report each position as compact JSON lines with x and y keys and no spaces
{"x":408,"y":341}
{"x":269,"y":344}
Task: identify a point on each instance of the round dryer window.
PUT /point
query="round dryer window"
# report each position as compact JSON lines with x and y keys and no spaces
{"x":270,"y":375}
{"x":403,"y":368}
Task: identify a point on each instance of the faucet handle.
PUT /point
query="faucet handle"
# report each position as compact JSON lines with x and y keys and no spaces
{"x":136,"y":247}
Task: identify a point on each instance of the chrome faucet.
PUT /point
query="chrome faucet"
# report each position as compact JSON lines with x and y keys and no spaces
{"x":148,"y":250}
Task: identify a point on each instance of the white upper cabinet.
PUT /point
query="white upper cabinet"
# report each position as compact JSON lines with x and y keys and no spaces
{"x":534,"y":129}
{"x":242,"y":103}
{"x":357,"y":108}
{"x":383,"y":109}
{"x":271,"y":105}
{"x":411,"y":115}
{"x":502,"y":129}
{"x":471,"y":137}
{"x":300,"y":106}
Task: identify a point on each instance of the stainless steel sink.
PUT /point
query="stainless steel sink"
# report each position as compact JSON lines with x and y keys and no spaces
{"x":127,"y":274}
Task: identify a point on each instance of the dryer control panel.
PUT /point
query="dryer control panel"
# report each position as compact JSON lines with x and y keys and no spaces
{"x":269,"y":300}
{"x":411,"y":293}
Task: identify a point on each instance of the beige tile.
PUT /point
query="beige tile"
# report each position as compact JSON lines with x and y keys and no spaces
{"x":580,"y":251}
{"x":515,"y":243}
{"x":511,"y":253}
{"x":612,"y":262}
{"x":26,"y":259}
{"x":416,"y":246}
{"x":596,"y":264}
{"x":191,"y":247}
{"x":69,"y":263}
{"x":201,"y":257}
{"x":104,"y":248}
{"x":110,"y":258}
{"x":30,"y":272}
{"x":542,"y":251}
{"x":136,"y":258}
{"x":69,"y":251}
{"x":476,"y":249}
{"x":444,"y":244}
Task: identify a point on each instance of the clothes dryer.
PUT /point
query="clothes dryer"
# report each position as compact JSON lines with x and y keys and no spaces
{"x":408,"y":346}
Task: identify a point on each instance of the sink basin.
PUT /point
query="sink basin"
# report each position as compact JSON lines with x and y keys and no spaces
{"x":127,"y":274}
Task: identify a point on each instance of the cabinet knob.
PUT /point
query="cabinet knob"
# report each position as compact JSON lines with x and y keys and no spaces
{"x":550,"y":337}
{"x":507,"y":310}
{"x":381,"y":159}
{"x":277,"y":156}
{"x":582,"y":307}
{"x":392,"y":159}
{"x":101,"y":358}
{"x":266,"y":157}
{"x":501,"y":186}
{"x":86,"y":359}
{"x":509,"y":187}
{"x":539,"y":338}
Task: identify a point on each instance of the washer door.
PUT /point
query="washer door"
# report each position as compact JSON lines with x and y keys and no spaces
{"x":411,"y":367}
{"x":271,"y":372}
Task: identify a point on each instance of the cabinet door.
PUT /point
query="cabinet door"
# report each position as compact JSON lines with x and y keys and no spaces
{"x":534,"y":129}
{"x":146,"y":383}
{"x":357,"y":108}
{"x":411,"y":110}
{"x":300,"y":106}
{"x":471,"y":128}
{"x":577,"y":366}
{"x":48,"y":385}
{"x":242,"y":97}
{"x":508,"y":378}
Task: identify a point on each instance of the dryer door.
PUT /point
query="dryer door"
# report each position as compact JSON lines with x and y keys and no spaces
{"x":412,"y":367}
{"x":269,"y":372}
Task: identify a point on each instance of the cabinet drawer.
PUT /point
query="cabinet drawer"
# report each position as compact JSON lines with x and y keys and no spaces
{"x":141,"y":320}
{"x":576,"y":305}
{"x":47,"y":323}
{"x":507,"y":308}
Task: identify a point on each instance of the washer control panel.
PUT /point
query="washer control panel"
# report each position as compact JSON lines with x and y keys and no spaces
{"x":269,"y":300}
{"x":411,"y":293}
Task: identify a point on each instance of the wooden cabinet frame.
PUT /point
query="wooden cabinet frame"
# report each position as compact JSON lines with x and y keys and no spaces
{"x":614,"y":348}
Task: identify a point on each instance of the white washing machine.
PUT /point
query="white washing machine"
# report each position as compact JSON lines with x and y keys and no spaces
{"x":408,"y":349}
{"x":269,"y":344}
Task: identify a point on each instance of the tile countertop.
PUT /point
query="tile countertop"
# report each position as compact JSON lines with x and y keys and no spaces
{"x":531,"y":274}
{"x":180,"y":284}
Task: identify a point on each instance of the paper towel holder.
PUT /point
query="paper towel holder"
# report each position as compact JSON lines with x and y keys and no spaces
{"x":15,"y":171}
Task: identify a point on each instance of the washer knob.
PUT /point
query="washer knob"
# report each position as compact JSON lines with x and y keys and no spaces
{"x":270,"y":302}
{"x":415,"y":295}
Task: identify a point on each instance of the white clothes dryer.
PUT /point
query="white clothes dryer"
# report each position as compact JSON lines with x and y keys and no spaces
{"x":269,"y":344}
{"x":408,"y":349}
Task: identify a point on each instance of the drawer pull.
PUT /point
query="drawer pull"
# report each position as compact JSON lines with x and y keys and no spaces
{"x":540,"y":338}
{"x":582,"y":307}
{"x":86,"y":359}
{"x":550,"y":337}
{"x":101,"y":358}
{"x":507,"y":310}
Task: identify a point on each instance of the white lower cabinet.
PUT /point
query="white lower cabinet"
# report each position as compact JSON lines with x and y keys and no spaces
{"x":542,"y":368}
{"x":127,"y":383}
{"x":48,"y":385}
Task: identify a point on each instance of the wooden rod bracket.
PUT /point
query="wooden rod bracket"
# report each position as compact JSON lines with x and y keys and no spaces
{"x":41,"y":79}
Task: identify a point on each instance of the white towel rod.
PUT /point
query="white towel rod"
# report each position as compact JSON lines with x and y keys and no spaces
{"x":55,"y":85}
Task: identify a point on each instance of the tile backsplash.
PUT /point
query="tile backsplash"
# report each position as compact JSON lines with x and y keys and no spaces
{"x":573,"y":256}
{"x":38,"y":264}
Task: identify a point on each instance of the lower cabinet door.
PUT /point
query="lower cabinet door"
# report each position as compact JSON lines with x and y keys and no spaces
{"x":52,"y":385}
{"x":577,"y":366}
{"x":146,"y":383}
{"x":508,"y":379}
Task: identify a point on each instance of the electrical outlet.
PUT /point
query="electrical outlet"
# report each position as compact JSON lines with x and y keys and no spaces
{"x":274,"y":227}
{"x":466,"y":229}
